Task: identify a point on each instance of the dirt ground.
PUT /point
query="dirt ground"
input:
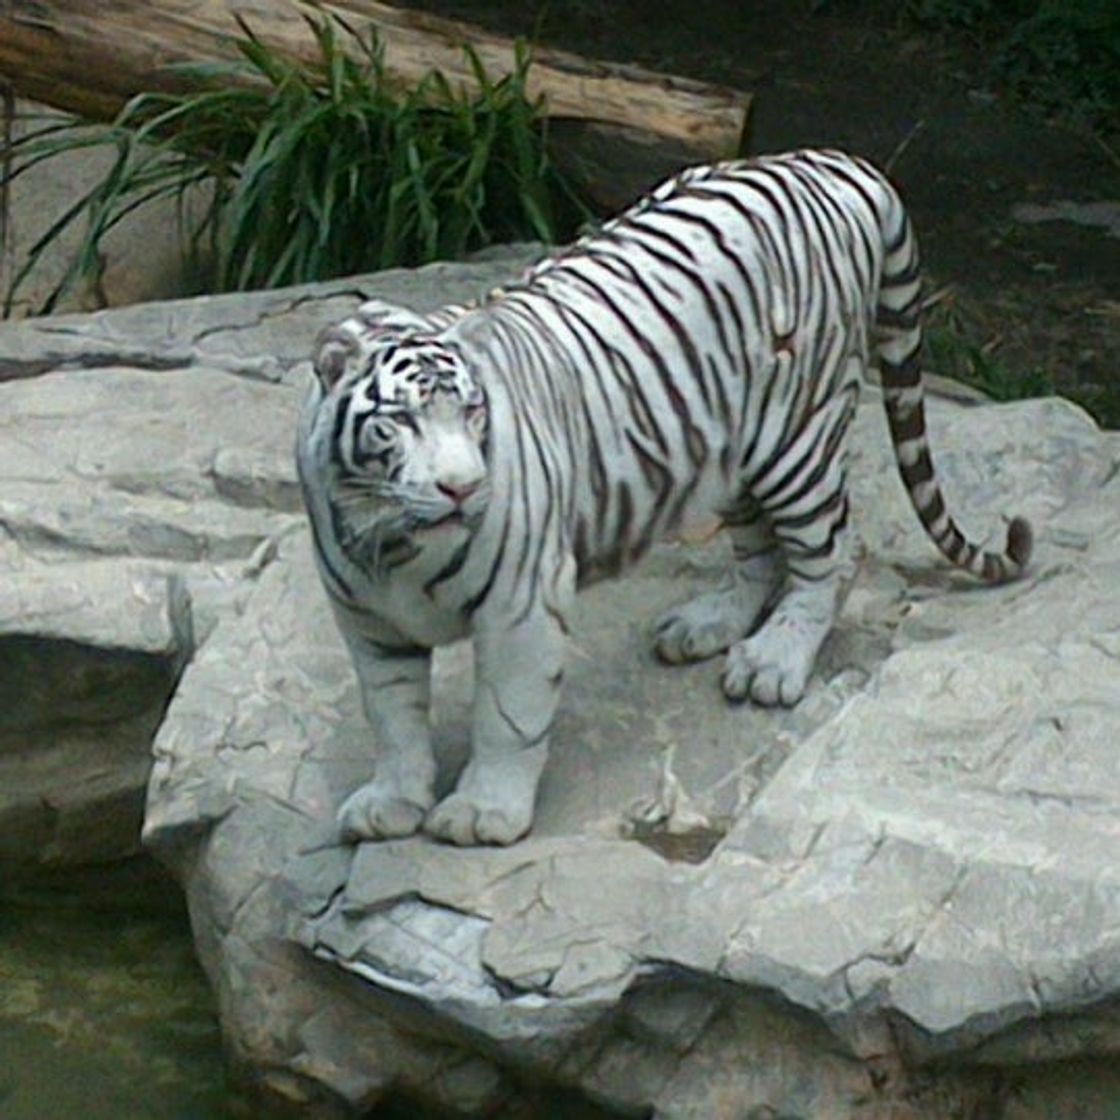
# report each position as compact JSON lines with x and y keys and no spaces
{"x":1032,"y":296}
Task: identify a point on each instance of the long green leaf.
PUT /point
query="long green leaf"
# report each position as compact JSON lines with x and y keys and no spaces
{"x":319,"y":170}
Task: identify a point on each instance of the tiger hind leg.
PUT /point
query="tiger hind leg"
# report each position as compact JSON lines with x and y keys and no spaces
{"x":715,"y":620}
{"x":808,"y":513}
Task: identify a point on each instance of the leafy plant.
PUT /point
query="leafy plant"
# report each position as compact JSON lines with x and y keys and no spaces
{"x":964,"y":360}
{"x":313,"y":171}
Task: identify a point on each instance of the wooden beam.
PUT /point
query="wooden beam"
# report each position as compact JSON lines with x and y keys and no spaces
{"x":90,"y":56}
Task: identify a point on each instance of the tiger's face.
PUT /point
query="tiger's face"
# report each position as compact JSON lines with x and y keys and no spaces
{"x":409,"y":436}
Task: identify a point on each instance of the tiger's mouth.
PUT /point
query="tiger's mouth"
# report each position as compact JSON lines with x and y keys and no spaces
{"x":450,"y":519}
{"x":370,"y":524}
{"x":457,"y":518}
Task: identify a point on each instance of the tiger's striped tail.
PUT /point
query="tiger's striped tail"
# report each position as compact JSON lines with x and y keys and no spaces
{"x":898,"y":322}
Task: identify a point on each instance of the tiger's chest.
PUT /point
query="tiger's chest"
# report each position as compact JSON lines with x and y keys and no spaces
{"x":421,"y":600}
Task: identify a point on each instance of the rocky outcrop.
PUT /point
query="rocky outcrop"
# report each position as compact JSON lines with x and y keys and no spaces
{"x":145,"y":477}
{"x":900,"y":898}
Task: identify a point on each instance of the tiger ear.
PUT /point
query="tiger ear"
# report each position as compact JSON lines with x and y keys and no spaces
{"x":335,"y":349}
{"x":378,"y":317}
{"x":342,"y":345}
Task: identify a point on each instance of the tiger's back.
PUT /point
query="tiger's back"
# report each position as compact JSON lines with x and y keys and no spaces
{"x":682,"y":355}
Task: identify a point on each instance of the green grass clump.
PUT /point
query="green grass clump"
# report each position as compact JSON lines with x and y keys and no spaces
{"x":953,"y":350}
{"x":956,"y":356}
{"x":314,"y":171}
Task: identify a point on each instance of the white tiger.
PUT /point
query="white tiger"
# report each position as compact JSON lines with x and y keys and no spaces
{"x":465,"y":471}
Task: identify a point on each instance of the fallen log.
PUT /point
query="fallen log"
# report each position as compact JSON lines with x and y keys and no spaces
{"x":618,"y":127}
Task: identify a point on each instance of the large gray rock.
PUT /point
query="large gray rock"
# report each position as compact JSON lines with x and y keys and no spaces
{"x":900,"y":898}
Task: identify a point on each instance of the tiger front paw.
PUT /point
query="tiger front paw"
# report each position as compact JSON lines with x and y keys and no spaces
{"x":494,"y":800}
{"x":379,"y":812}
{"x":460,"y":819}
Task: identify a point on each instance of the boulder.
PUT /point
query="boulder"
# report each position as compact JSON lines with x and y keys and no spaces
{"x":899,"y":898}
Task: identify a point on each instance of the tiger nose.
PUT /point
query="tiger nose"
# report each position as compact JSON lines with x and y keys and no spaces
{"x":458,"y":491}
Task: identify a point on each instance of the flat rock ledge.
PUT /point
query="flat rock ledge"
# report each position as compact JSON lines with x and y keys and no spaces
{"x":901,"y":898}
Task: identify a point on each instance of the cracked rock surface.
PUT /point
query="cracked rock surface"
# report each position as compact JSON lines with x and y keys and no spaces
{"x":900,"y":898}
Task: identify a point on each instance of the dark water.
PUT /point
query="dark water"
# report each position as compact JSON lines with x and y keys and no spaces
{"x":106,"y":1015}
{"x":104,"y":1012}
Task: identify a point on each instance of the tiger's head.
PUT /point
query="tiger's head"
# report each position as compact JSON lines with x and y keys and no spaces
{"x":408,"y":429}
